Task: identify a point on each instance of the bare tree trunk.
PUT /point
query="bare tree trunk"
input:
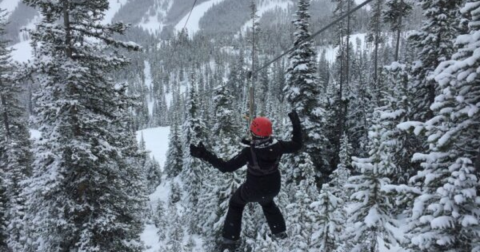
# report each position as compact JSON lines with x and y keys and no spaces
{"x":68,"y":29}
{"x":477,"y":162}
{"x":397,"y":46}
{"x":5,"y":117}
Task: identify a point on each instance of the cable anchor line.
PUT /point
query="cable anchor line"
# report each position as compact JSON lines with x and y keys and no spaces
{"x":255,"y":72}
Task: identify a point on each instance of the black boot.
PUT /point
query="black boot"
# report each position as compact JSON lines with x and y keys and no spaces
{"x":280,"y":236}
{"x":227,"y":245}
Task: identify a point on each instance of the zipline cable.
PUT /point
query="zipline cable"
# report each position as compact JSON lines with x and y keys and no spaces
{"x":189,"y":14}
{"x":256,"y":71}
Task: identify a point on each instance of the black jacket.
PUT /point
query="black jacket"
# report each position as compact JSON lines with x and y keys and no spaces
{"x":267,"y":153}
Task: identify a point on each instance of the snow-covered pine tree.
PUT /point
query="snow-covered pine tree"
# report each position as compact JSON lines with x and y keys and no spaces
{"x":3,"y":219}
{"x":151,"y":168}
{"x":331,"y":218}
{"x":446,"y":216}
{"x":160,"y":220}
{"x":396,"y":110}
{"x":370,"y":215}
{"x":86,"y":191}
{"x":342,"y":173}
{"x":300,"y":214}
{"x":194,"y":132}
{"x":331,"y":203}
{"x":15,"y":155}
{"x":395,"y":13}
{"x":225,"y":126}
{"x":176,"y":230}
{"x":174,"y":163}
{"x":302,"y":90}
{"x":375,"y":36}
{"x":434,"y":43}
{"x":153,"y":172}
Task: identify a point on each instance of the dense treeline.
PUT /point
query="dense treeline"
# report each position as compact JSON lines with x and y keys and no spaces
{"x":388,"y":100}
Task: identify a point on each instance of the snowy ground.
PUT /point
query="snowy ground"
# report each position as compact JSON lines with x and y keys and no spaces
{"x":153,"y":20}
{"x":262,"y":9}
{"x":114,"y":7}
{"x":194,"y":20}
{"x":156,"y":141}
{"x":9,"y":6}
{"x":35,"y":134}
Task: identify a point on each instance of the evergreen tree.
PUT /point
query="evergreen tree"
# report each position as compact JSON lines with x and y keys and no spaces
{"x":299,"y":211}
{"x":375,"y":36}
{"x":395,"y":14}
{"x":3,"y":218}
{"x":86,"y":192}
{"x":434,"y":43}
{"x":225,"y":126}
{"x":194,"y":132}
{"x":302,"y":90}
{"x":15,"y":155}
{"x":154,"y":174}
{"x":448,"y":206}
{"x":174,"y":163}
{"x":370,"y":216}
{"x":330,"y":223}
{"x":342,"y":173}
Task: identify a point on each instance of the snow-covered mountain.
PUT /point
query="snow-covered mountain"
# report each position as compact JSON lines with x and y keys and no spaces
{"x":156,"y":16}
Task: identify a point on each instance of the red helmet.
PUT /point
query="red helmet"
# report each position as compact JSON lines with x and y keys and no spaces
{"x":261,"y":127}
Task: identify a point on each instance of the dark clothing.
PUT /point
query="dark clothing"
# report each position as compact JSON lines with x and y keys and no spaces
{"x":263,"y":180}
{"x":257,"y":189}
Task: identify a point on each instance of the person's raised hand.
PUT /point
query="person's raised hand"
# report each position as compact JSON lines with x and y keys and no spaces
{"x":294,"y":117}
{"x":198,"y":151}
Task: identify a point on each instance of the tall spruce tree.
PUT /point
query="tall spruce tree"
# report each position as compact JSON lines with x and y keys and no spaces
{"x":376,"y":37}
{"x":395,"y":14}
{"x":434,"y":43}
{"x":302,"y":90}
{"x":194,"y":132}
{"x":3,"y":218}
{"x":174,"y":163}
{"x":86,"y":192}
{"x":15,"y":155}
{"x":446,"y":216}
{"x":370,"y":215}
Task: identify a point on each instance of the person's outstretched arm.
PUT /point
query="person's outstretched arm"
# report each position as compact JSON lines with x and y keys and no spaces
{"x":224,"y":166}
{"x":296,"y":143}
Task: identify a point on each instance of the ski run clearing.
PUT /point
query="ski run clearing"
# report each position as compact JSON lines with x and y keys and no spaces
{"x":193,"y":25}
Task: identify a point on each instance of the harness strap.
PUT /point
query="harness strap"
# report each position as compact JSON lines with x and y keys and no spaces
{"x":257,"y":170}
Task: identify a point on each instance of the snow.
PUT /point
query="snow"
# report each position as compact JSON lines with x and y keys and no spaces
{"x":358,"y":2}
{"x":150,"y":238}
{"x":35,"y":134}
{"x":22,"y":52}
{"x":114,"y":7}
{"x":147,"y":71}
{"x":9,"y":6}
{"x":332,"y":52}
{"x":262,"y":9}
{"x":156,"y":141}
{"x":152,"y":20}
{"x":193,"y":25}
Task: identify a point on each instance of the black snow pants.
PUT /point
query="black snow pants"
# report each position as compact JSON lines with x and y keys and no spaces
{"x":260,"y":189}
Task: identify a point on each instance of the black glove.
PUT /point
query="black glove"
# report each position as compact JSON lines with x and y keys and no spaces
{"x":294,"y":118}
{"x":198,"y":151}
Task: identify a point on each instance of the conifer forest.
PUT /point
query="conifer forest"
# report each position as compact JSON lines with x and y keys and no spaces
{"x":101,"y":101}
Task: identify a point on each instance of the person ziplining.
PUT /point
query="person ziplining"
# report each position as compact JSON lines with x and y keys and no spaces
{"x":263,"y":177}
